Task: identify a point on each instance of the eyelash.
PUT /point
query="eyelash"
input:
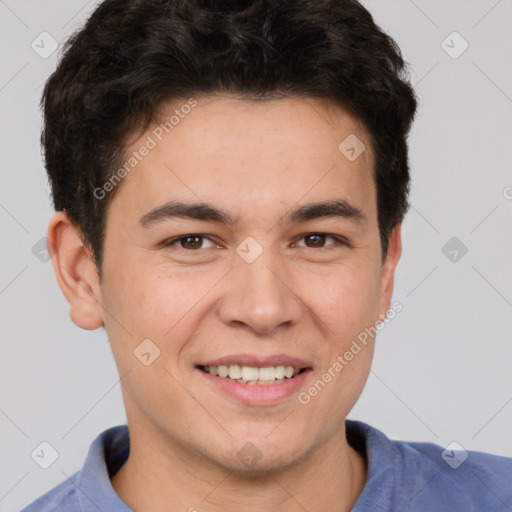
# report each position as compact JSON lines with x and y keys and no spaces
{"x":173,"y":241}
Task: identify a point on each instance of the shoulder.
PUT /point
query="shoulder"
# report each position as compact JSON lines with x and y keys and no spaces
{"x":465,"y":478}
{"x":62,"y":498}
{"x":90,"y":488}
{"x":426,"y":476}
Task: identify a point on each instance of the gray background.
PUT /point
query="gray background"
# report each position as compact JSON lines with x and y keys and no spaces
{"x":442,"y":367}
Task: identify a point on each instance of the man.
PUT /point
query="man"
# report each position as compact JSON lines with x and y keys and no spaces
{"x":230,"y":180}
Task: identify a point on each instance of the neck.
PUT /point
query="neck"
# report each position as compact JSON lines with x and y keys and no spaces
{"x":163,"y":476}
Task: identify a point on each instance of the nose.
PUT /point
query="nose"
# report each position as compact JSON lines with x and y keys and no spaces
{"x":260,"y":295}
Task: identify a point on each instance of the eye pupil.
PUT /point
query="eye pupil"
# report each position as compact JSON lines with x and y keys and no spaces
{"x":185,"y":240}
{"x":318,"y":240}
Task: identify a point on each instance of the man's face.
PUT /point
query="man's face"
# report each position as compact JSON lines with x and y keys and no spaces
{"x":270,"y":285}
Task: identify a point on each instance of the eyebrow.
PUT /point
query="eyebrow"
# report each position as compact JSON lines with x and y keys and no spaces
{"x":338,"y":208}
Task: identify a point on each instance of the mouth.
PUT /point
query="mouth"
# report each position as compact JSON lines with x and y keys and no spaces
{"x":255,"y":385}
{"x":254,"y":376}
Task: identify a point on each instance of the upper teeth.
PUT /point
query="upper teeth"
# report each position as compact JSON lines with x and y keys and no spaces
{"x":248,"y":373}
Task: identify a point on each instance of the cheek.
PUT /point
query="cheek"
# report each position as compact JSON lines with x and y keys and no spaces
{"x":156,"y":307}
{"x":347,"y":303}
{"x":345,"y":298}
{"x":165,"y":306}
{"x":152,"y":301}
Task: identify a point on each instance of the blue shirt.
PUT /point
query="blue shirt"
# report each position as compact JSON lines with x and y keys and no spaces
{"x":402,"y":477}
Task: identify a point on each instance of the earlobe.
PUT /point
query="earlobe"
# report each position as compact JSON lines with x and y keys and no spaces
{"x":75,"y":272}
{"x":387,"y":279}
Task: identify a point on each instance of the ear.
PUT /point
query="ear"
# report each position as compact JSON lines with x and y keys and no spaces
{"x":75,"y":272}
{"x":387,"y":279}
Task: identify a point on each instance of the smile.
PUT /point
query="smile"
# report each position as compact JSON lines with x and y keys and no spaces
{"x":272,"y":385}
{"x":253,"y":375}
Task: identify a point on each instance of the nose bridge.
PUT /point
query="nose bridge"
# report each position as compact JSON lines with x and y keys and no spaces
{"x":258,"y":294}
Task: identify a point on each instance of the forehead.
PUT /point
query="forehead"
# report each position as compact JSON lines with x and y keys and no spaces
{"x":233,"y":151}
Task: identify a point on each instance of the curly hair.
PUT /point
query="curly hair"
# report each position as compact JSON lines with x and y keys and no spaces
{"x":133,"y":56}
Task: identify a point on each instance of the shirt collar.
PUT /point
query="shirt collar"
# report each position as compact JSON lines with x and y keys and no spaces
{"x":110,"y":450}
{"x":106,"y":455}
{"x":379,"y":491}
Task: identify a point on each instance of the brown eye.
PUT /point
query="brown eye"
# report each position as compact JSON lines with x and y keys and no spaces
{"x":189,"y":242}
{"x":317,"y":240}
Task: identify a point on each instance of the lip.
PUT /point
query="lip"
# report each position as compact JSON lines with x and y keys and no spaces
{"x":254,"y":394}
{"x":254,"y":361}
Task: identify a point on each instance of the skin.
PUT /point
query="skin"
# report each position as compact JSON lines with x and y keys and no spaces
{"x":300,"y":297}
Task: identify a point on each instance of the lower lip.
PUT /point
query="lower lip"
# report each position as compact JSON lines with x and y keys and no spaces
{"x":256,"y":394}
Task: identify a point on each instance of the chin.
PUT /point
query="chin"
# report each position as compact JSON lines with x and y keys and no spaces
{"x":260,"y":467}
{"x":258,"y":456}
